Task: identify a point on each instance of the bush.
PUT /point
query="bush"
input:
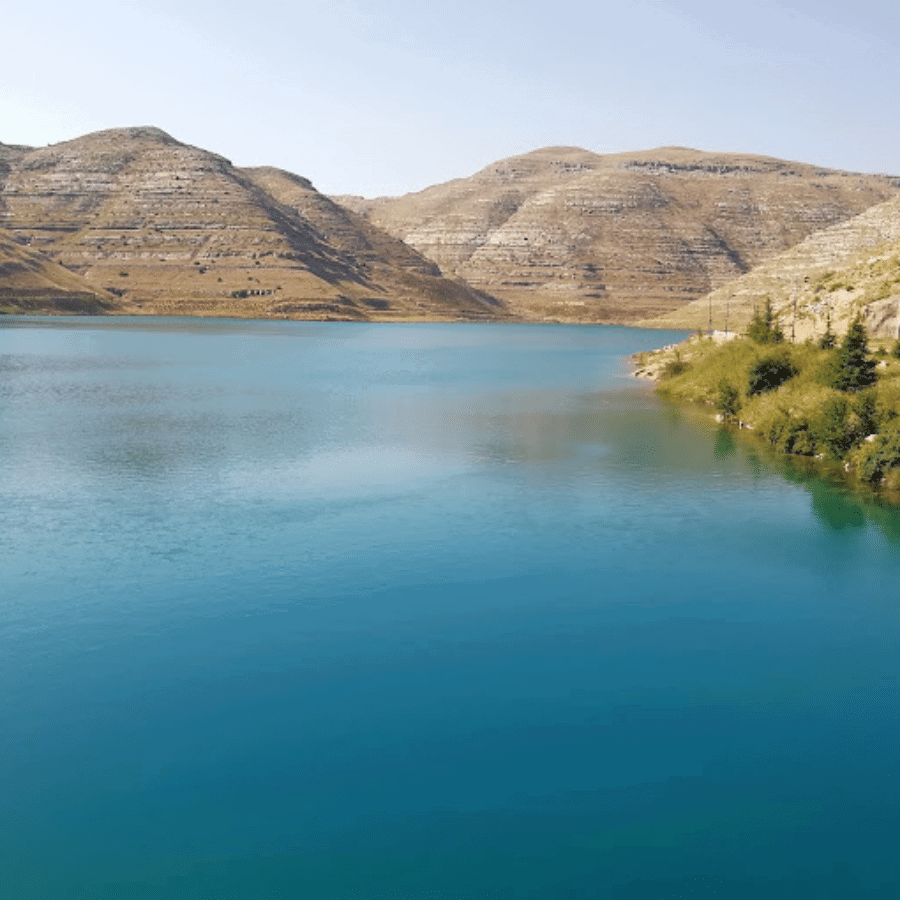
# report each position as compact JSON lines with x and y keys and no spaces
{"x":676,"y":366}
{"x":728,"y":399}
{"x":769,"y":372}
{"x":790,"y":435}
{"x":841,"y":426}
{"x":875,"y":459}
{"x":865,"y":410}
{"x":895,"y":350}
{"x":800,"y":440}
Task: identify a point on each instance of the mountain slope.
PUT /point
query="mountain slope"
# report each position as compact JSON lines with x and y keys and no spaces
{"x":853,"y":266}
{"x":29,"y":282}
{"x":565,"y":234}
{"x":174,"y":229}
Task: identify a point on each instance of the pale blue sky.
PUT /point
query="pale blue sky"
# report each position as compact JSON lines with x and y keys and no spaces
{"x":385,"y":96}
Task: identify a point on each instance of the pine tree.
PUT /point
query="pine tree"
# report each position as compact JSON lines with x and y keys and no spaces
{"x":852,"y":368}
{"x":828,"y":340}
{"x":764,"y":327}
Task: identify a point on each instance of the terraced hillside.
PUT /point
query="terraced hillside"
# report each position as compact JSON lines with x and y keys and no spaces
{"x":853,"y":266}
{"x":31,"y":283}
{"x":171,"y":229}
{"x":570,"y":235}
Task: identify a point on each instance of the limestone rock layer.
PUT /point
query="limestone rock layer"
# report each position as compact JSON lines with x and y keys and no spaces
{"x":565,"y":234}
{"x":168,"y":228}
{"x":851,"y":267}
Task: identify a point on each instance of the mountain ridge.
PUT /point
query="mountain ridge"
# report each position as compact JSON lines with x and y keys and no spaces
{"x":151,"y":225}
{"x":567,"y":234}
{"x":168,"y":228}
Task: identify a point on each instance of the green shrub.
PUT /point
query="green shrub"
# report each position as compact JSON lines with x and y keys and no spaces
{"x":839,"y":426}
{"x":676,"y":366}
{"x":790,"y":434}
{"x":875,"y":459}
{"x":769,"y":372}
{"x":800,"y":440}
{"x":895,"y":350}
{"x":728,"y":399}
{"x":774,"y":429}
{"x":865,"y":410}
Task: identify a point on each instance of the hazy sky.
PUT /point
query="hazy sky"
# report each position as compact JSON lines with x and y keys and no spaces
{"x":386,"y":96}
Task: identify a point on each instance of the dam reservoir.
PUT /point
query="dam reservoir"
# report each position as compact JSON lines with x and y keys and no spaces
{"x":451,"y":611}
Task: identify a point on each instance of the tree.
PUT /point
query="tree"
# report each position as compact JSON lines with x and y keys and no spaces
{"x":764,"y":327}
{"x":828,"y":340}
{"x":852,"y":369}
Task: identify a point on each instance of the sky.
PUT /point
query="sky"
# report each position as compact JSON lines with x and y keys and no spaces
{"x":381,"y":97}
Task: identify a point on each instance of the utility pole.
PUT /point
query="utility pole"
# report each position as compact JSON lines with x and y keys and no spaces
{"x":709,"y":328}
{"x":794,"y":320}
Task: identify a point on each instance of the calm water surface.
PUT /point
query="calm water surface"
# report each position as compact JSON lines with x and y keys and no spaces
{"x":443,"y":612}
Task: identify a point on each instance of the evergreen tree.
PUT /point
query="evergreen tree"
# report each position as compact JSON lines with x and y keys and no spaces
{"x":764,"y":327}
{"x":828,"y":340}
{"x":852,"y":368}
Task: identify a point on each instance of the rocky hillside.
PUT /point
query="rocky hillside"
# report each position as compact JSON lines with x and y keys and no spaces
{"x":570,"y":235}
{"x":166,"y":228}
{"x":30,"y":283}
{"x":849,"y":267}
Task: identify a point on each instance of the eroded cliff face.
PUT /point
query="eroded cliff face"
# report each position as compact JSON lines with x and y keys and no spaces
{"x":570,"y":235}
{"x":171,"y":229}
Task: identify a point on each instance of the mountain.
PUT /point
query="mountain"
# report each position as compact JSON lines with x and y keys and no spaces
{"x":853,"y":266}
{"x":176,"y":230}
{"x":30,"y":283}
{"x":569,"y":235}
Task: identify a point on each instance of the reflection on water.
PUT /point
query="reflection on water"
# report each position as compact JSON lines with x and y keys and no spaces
{"x":345,"y":611}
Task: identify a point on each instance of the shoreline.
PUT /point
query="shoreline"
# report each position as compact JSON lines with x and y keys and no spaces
{"x":783,"y":418}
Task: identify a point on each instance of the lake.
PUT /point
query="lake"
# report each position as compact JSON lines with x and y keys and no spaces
{"x":443,"y":612}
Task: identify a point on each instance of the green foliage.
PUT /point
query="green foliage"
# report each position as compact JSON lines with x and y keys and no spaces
{"x":842,"y":424}
{"x":874,"y":460}
{"x":804,"y":414}
{"x":676,"y":366}
{"x":829,"y":338}
{"x":764,"y":327}
{"x":728,"y":400}
{"x":769,"y":372}
{"x":865,"y":409}
{"x":895,"y":350}
{"x":851,"y":368}
{"x":790,"y":434}
{"x":830,"y":427}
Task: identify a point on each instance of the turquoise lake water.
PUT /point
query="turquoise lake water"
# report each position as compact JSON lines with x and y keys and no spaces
{"x":443,"y":612}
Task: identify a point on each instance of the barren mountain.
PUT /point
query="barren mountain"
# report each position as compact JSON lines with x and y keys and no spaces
{"x":569,"y":235}
{"x":173,"y":229}
{"x":29,"y":282}
{"x":850,"y":267}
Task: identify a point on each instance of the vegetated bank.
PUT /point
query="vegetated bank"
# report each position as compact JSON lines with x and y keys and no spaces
{"x":831,"y":399}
